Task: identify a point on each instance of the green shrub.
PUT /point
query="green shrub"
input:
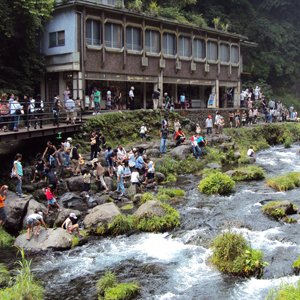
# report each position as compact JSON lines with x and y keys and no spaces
{"x":4,"y":276}
{"x":6,"y":240}
{"x":122,"y":291}
{"x":147,"y":197}
{"x":285,"y":182}
{"x":285,"y":292}
{"x":25,"y":286}
{"x":159,"y":224}
{"x":248,"y":173}
{"x":216,"y":183}
{"x":170,"y":178}
{"x":173,"y":193}
{"x":121,"y":224}
{"x":233,"y":255}
{"x":107,"y":281}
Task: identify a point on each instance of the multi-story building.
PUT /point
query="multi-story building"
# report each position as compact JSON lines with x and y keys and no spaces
{"x":99,"y":43}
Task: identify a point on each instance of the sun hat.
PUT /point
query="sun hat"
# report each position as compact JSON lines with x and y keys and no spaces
{"x":69,"y":139}
{"x":72,"y":215}
{"x":40,"y":213}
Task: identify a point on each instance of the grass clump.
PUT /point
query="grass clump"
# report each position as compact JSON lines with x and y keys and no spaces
{"x":285,"y":182}
{"x":170,"y":178}
{"x":109,"y":289}
{"x":172,"y":193}
{"x":296,"y":266}
{"x":75,"y":241}
{"x":216,"y":183}
{"x":285,"y":292}
{"x":149,"y":223}
{"x":4,"y":275}
{"x":279,"y":209}
{"x":25,"y":286}
{"x":121,"y":224}
{"x":6,"y":240}
{"x":233,"y":255}
{"x":248,"y":173}
{"x":147,"y":197}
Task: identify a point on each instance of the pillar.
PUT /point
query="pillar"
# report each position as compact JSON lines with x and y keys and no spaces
{"x":217,"y":92}
{"x":144,"y":94}
{"x":237,"y":93}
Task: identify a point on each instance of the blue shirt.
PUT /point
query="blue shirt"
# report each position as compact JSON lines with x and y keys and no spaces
{"x":19,"y":168}
{"x":139,"y":163}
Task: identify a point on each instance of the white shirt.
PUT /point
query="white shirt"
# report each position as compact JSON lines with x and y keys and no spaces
{"x":143,"y":129}
{"x":134,"y":177}
{"x":121,"y":154}
{"x":208,"y":123}
{"x":131,"y":94}
{"x":250,"y":152}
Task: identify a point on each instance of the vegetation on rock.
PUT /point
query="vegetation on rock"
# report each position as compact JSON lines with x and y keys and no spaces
{"x":279,"y":209}
{"x":24,"y":286}
{"x":109,"y":289}
{"x":285,"y":292}
{"x":233,"y":255}
{"x":285,"y":182}
{"x":121,"y":224}
{"x":4,"y":276}
{"x":216,"y":183}
{"x":248,"y":173}
{"x":6,"y":240}
{"x":296,"y":266}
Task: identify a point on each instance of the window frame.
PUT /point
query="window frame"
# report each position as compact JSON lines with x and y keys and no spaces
{"x":134,"y":51}
{"x":205,"y":53}
{"x":149,"y":53}
{"x":239,"y":54}
{"x":167,"y":55}
{"x":100,"y":31}
{"x":57,"y":39}
{"x":113,"y":49}
{"x":218,"y":54}
{"x":183,"y":57}
{"x":229,"y":52}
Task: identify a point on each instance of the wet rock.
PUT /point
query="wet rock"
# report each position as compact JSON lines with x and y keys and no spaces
{"x":279,"y":209}
{"x":101,"y":215}
{"x":28,"y":188}
{"x":97,"y":199}
{"x":137,"y":198}
{"x":237,"y":155}
{"x":150,"y":208}
{"x":181,"y":152}
{"x":63,"y":214}
{"x":160,"y":177}
{"x":75,"y":184}
{"x":214,"y":166}
{"x":153,"y":153}
{"x":39,"y":195}
{"x":15,"y":209}
{"x":110,"y":183}
{"x":252,"y":160}
{"x":73,"y":201}
{"x":49,"y":239}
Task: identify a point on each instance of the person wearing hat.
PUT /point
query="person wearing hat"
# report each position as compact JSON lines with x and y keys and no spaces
{"x":34,"y":222}
{"x":209,"y":125}
{"x":70,"y":224}
{"x":131,"y":98}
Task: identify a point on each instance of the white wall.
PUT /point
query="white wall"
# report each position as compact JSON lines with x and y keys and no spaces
{"x":62,"y":20}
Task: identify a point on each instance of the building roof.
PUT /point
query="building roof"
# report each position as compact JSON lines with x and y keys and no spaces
{"x":98,"y":4}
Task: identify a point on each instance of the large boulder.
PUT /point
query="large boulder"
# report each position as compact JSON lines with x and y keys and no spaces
{"x":54,"y":239}
{"x":73,"y":201}
{"x":15,"y":208}
{"x":101,"y":215}
{"x":97,"y":199}
{"x":153,"y":153}
{"x":150,"y":208}
{"x":33,"y":205}
{"x":181,"y":152}
{"x":110,"y":183}
{"x":63,"y":214}
{"x":75,"y":184}
{"x":160,"y":177}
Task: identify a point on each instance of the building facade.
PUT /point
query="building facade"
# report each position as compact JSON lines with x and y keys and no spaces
{"x":99,"y":43}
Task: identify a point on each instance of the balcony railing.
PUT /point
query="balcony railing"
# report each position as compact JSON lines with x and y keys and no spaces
{"x":114,"y":3}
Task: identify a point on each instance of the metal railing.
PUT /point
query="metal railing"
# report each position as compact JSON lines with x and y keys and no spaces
{"x":12,"y":119}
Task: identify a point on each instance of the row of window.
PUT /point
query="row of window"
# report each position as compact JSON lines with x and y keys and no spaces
{"x":113,"y":38}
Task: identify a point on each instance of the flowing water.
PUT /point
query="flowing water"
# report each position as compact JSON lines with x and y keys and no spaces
{"x":175,"y":265}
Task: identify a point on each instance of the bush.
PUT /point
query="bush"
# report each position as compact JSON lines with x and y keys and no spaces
{"x":285,"y":292}
{"x":122,"y":291}
{"x":147,"y":197}
{"x":248,"y":173}
{"x":6,"y":240}
{"x":25,"y":286}
{"x":173,"y":193}
{"x":107,"y":281}
{"x":121,"y":224}
{"x":216,"y":183}
{"x":233,"y":255}
{"x":285,"y":182}
{"x":75,"y":241}
{"x":170,"y":178}
{"x":4,"y":276}
{"x":159,"y":224}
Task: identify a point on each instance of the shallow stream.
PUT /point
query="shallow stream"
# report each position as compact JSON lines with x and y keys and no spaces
{"x":175,"y":265}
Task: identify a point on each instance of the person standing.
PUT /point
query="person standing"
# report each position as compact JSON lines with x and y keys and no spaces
{"x":155,"y":98}
{"x":56,"y":109}
{"x":99,"y":173}
{"x":66,"y":95}
{"x":75,"y":160}
{"x":182,"y":101}
{"x":38,"y":112}
{"x":108,"y":100}
{"x":18,"y":172}
{"x":3,"y":192}
{"x":97,"y":101}
{"x":164,"y":132}
{"x":143,"y":132}
{"x":120,"y":179}
{"x":15,"y":112}
{"x":166,"y":101}
{"x":209,"y":125}
{"x":131,"y":98}
{"x":70,"y":108}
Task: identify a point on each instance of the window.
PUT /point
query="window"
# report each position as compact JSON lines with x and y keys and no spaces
{"x":113,"y":35}
{"x":224,"y":53}
{"x":199,"y":49}
{"x":169,"y":44}
{"x":184,"y":46}
{"x":212,"y":51}
{"x":133,"y":38}
{"x":152,"y":41}
{"x":93,"y":32}
{"x":57,"y":39}
{"x":235,"y":56}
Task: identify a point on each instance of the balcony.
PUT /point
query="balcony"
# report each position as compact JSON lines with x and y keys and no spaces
{"x":114,"y":3}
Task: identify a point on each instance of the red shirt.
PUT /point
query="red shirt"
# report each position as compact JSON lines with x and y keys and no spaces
{"x":49,"y":195}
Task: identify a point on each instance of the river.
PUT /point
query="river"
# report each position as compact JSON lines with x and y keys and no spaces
{"x":175,"y":265}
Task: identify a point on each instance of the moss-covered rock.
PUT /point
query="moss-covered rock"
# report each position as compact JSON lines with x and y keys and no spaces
{"x":247,"y":173}
{"x":279,"y":209}
{"x":216,"y":183}
{"x":171,"y":192}
{"x":147,"y":197}
{"x":296,"y":266}
{"x":285,"y":292}
{"x":233,"y":255}
{"x":121,"y":224}
{"x":6,"y":240}
{"x":285,"y":182}
{"x":107,"y":281}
